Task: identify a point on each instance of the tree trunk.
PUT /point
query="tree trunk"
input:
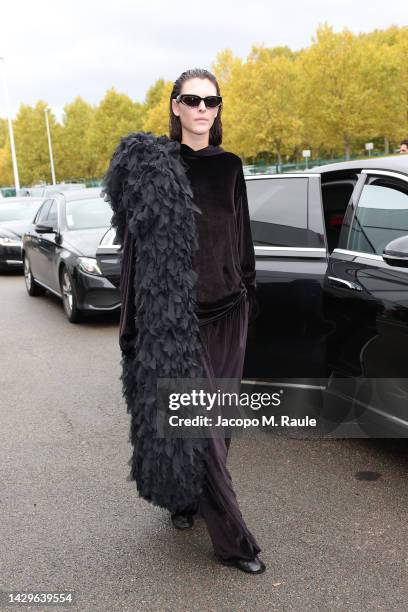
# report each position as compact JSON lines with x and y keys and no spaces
{"x":386,"y":146}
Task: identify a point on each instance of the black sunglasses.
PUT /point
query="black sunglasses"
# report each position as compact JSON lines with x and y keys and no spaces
{"x":194,"y":101}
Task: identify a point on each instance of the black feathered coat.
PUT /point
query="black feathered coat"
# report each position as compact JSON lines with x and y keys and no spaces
{"x":149,"y":192}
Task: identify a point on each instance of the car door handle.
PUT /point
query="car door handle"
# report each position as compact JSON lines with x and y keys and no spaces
{"x":345,"y":283}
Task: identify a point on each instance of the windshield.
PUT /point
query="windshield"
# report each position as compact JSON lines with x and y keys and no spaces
{"x":86,"y":214}
{"x":18,"y":211}
{"x":37,"y":192}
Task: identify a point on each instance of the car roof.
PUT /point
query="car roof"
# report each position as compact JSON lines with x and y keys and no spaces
{"x":23,"y":199}
{"x":77,"y":185}
{"x":79,"y":194}
{"x":398,"y":163}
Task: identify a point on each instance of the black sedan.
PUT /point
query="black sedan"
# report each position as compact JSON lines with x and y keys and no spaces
{"x":16,"y":214}
{"x":59,"y":253}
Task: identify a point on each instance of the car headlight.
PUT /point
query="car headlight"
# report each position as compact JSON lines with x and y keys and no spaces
{"x":89,"y":265}
{"x":5,"y":241}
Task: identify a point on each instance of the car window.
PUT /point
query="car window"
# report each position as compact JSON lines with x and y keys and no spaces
{"x":36,"y":192}
{"x":278,"y":211}
{"x":52,"y":216}
{"x":336,"y":195}
{"x":88,"y":213}
{"x":17,"y":211}
{"x":43,"y":212}
{"x":381,"y":215}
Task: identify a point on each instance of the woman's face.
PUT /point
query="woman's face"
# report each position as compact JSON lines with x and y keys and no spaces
{"x":197,"y":120}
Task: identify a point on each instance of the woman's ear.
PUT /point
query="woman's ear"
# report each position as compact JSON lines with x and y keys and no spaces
{"x":174,"y":106}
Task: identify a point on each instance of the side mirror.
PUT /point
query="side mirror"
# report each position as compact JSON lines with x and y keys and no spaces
{"x":45,"y":229}
{"x":396,"y":252}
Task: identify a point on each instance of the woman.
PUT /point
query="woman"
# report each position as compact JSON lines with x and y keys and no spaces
{"x":224,"y":264}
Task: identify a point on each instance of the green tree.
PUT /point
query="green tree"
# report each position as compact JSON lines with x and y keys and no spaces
{"x":6,"y":170}
{"x":383,"y":75}
{"x":154,"y":94}
{"x":3,"y":132}
{"x":262,"y":106}
{"x":337,"y":92}
{"x":75,"y":160}
{"x":31,"y":142}
{"x":6,"y":167}
{"x":116,"y":116}
{"x":156,"y":119}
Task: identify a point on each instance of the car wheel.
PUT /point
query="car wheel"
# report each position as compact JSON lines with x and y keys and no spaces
{"x":33,"y":288}
{"x":69,"y":297}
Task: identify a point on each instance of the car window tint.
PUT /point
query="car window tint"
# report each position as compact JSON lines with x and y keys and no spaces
{"x":278,"y":211}
{"x":43,"y":212}
{"x":37,"y":216}
{"x":52,"y":216}
{"x":381,"y":216}
{"x":88,"y":213}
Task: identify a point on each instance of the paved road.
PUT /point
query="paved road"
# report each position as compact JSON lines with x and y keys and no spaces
{"x":70,"y":520}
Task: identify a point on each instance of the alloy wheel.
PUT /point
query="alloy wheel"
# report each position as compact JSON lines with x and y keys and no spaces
{"x":27,"y":274}
{"x":67,"y":291}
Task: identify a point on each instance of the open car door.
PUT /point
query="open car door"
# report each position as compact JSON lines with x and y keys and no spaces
{"x":366,"y":297}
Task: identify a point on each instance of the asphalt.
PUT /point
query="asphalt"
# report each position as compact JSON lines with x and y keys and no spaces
{"x":331,"y":539}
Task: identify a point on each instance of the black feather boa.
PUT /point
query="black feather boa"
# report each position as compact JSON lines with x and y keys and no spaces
{"x":147,"y":187}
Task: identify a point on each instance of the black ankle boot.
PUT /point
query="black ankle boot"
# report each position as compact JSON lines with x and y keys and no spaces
{"x":254,"y":566}
{"x":182,"y":520}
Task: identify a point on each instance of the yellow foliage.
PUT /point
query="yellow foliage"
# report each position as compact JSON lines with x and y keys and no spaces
{"x":332,"y":96}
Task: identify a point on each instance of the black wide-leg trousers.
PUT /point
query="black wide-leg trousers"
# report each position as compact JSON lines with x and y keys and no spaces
{"x":223,"y":344}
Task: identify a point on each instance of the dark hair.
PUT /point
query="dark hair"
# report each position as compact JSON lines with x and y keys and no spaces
{"x":405,"y":142}
{"x":215,"y":136}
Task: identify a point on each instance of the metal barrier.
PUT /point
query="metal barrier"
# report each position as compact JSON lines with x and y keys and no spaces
{"x":262,"y":168}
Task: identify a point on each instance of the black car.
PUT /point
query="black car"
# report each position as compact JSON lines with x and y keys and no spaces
{"x":331,"y":249}
{"x":16,"y":214}
{"x":59,"y":250}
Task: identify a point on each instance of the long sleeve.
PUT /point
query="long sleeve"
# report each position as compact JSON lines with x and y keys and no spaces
{"x":127,"y":328}
{"x":246,"y":246}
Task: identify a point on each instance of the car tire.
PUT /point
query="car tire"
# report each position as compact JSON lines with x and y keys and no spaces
{"x":69,"y":297}
{"x":33,"y":288}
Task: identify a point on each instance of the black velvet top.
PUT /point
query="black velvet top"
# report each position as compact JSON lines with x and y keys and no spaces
{"x":225,"y":261}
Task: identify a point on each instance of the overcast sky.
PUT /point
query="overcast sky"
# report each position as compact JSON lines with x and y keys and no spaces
{"x":55,"y":50}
